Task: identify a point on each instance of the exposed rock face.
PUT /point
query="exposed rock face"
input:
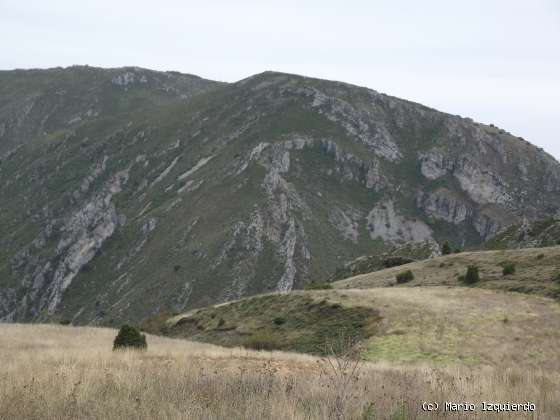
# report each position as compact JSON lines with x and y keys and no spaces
{"x":442,"y":204}
{"x":385,"y":223}
{"x":81,"y":237}
{"x":347,"y":222}
{"x":126,"y":191}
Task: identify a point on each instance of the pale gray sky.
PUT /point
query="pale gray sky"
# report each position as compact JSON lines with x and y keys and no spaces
{"x":494,"y":61}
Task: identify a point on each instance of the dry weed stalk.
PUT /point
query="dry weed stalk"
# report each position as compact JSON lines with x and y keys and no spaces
{"x":341,"y":366}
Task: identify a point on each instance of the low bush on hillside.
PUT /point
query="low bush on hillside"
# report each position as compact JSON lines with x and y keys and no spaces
{"x":540,"y":256}
{"x":446,"y":248}
{"x":555,"y":293}
{"x":130,"y":337}
{"x":396,"y":261}
{"x":508,"y":269}
{"x":279,"y":320}
{"x":472,"y":275}
{"x":315,"y":285}
{"x":405,"y":277}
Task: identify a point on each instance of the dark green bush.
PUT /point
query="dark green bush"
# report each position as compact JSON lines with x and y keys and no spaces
{"x":540,"y":256}
{"x":509,"y":269}
{"x":405,"y":277}
{"x":130,"y":336}
{"x":396,"y":261}
{"x":315,"y":285}
{"x":446,"y":248}
{"x":279,"y":320}
{"x":555,"y":293}
{"x":472,"y":275}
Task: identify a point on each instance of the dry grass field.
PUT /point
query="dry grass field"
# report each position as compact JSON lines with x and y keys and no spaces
{"x":56,"y":372}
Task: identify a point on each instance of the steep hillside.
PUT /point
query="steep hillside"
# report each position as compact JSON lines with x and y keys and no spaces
{"x":528,"y":234}
{"x":127,"y":192}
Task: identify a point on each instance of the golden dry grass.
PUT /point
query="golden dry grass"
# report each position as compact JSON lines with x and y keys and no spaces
{"x":55,"y":372}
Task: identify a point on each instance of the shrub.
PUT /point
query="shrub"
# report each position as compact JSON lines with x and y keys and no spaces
{"x":445,"y":248}
{"x":405,"y":277}
{"x":540,"y":256}
{"x":130,"y":336}
{"x":472,"y":275}
{"x":555,"y":293}
{"x":221,"y":322}
{"x":315,"y":285}
{"x":509,"y":269}
{"x":279,"y":320}
{"x":458,"y":250}
{"x":396,"y":261}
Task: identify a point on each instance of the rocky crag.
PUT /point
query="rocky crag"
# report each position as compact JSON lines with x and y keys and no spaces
{"x":126,"y":192}
{"x":527,"y":234}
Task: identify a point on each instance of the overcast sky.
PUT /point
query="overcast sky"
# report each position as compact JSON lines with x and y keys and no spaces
{"x":494,"y":61}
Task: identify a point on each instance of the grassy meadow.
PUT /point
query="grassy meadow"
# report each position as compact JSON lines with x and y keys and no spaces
{"x":57,"y":372}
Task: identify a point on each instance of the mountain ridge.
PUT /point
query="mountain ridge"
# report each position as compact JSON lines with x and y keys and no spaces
{"x":128,"y":191}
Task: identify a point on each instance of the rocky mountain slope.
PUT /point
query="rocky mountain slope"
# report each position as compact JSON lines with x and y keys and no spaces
{"x":126,"y":192}
{"x":527,"y":234}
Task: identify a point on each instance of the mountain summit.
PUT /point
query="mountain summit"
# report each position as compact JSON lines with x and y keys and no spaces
{"x":126,"y":192}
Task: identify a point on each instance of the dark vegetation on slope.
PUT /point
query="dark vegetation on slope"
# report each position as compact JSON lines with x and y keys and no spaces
{"x":301,"y":322}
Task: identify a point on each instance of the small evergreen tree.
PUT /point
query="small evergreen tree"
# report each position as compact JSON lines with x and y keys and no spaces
{"x":509,"y":269}
{"x":446,"y":248}
{"x":130,"y":336}
{"x":472,"y":275}
{"x":405,"y":277}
